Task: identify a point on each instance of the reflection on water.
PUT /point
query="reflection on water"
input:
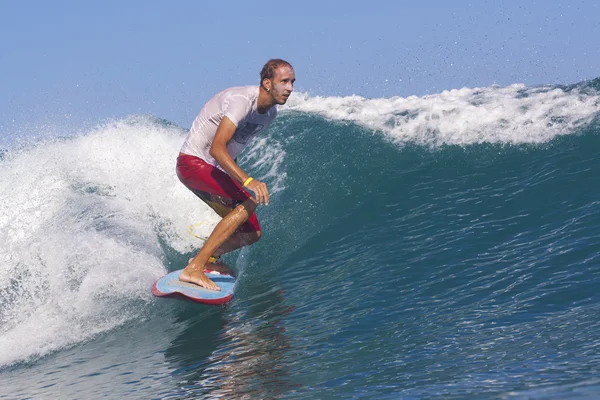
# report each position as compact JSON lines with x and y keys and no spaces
{"x":236,"y":351}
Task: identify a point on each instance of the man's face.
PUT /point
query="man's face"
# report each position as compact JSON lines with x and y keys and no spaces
{"x":282,"y":84}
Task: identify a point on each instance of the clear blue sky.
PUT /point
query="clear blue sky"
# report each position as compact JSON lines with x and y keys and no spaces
{"x":70,"y":64}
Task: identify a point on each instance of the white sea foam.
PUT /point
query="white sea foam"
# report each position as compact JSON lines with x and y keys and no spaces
{"x":266,"y":156}
{"x":514,"y":114}
{"x":80,"y":225}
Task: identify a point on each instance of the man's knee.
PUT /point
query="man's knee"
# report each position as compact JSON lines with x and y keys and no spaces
{"x":249,"y":206}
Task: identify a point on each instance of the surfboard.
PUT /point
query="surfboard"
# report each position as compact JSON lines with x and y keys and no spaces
{"x":170,"y":285}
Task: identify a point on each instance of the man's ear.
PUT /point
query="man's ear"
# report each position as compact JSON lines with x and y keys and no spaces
{"x":267,"y":84}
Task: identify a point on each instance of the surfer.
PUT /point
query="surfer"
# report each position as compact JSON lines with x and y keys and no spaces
{"x":207,"y":165}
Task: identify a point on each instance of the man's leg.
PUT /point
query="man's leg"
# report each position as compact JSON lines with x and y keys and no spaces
{"x":217,"y":240}
{"x":235,"y":242}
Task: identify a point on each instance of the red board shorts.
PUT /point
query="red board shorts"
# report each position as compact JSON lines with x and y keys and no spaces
{"x":215,"y":188}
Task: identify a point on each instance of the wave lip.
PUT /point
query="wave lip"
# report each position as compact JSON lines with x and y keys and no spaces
{"x":514,"y":114}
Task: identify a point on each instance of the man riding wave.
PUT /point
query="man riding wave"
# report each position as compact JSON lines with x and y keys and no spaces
{"x":207,"y":165}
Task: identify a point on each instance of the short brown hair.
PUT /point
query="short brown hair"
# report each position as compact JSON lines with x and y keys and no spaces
{"x":268,"y":71}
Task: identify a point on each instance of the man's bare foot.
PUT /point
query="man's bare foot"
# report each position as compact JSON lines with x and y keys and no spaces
{"x":193,"y":275}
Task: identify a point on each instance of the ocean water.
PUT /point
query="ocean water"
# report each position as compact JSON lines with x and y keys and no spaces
{"x":419,"y":247}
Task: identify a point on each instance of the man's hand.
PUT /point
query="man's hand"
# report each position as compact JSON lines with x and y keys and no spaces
{"x":260,"y":191}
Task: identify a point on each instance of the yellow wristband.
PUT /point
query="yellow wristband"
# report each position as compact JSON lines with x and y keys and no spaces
{"x":247,"y":181}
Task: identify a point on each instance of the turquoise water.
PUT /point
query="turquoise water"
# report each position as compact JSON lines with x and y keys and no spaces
{"x":441,"y":246}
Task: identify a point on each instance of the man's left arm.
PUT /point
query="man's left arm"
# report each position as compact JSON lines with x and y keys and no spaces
{"x":218,"y":150}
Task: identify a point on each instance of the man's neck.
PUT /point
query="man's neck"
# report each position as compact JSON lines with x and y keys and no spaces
{"x":264,"y":102}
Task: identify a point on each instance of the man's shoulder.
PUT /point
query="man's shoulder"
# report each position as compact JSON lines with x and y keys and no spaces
{"x":249,"y":92}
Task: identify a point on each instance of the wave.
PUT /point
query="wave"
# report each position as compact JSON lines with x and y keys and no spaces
{"x":515,"y":114}
{"x":89,"y":221}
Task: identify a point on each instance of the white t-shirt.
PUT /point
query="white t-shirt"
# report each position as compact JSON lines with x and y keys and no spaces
{"x":239,"y":104}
